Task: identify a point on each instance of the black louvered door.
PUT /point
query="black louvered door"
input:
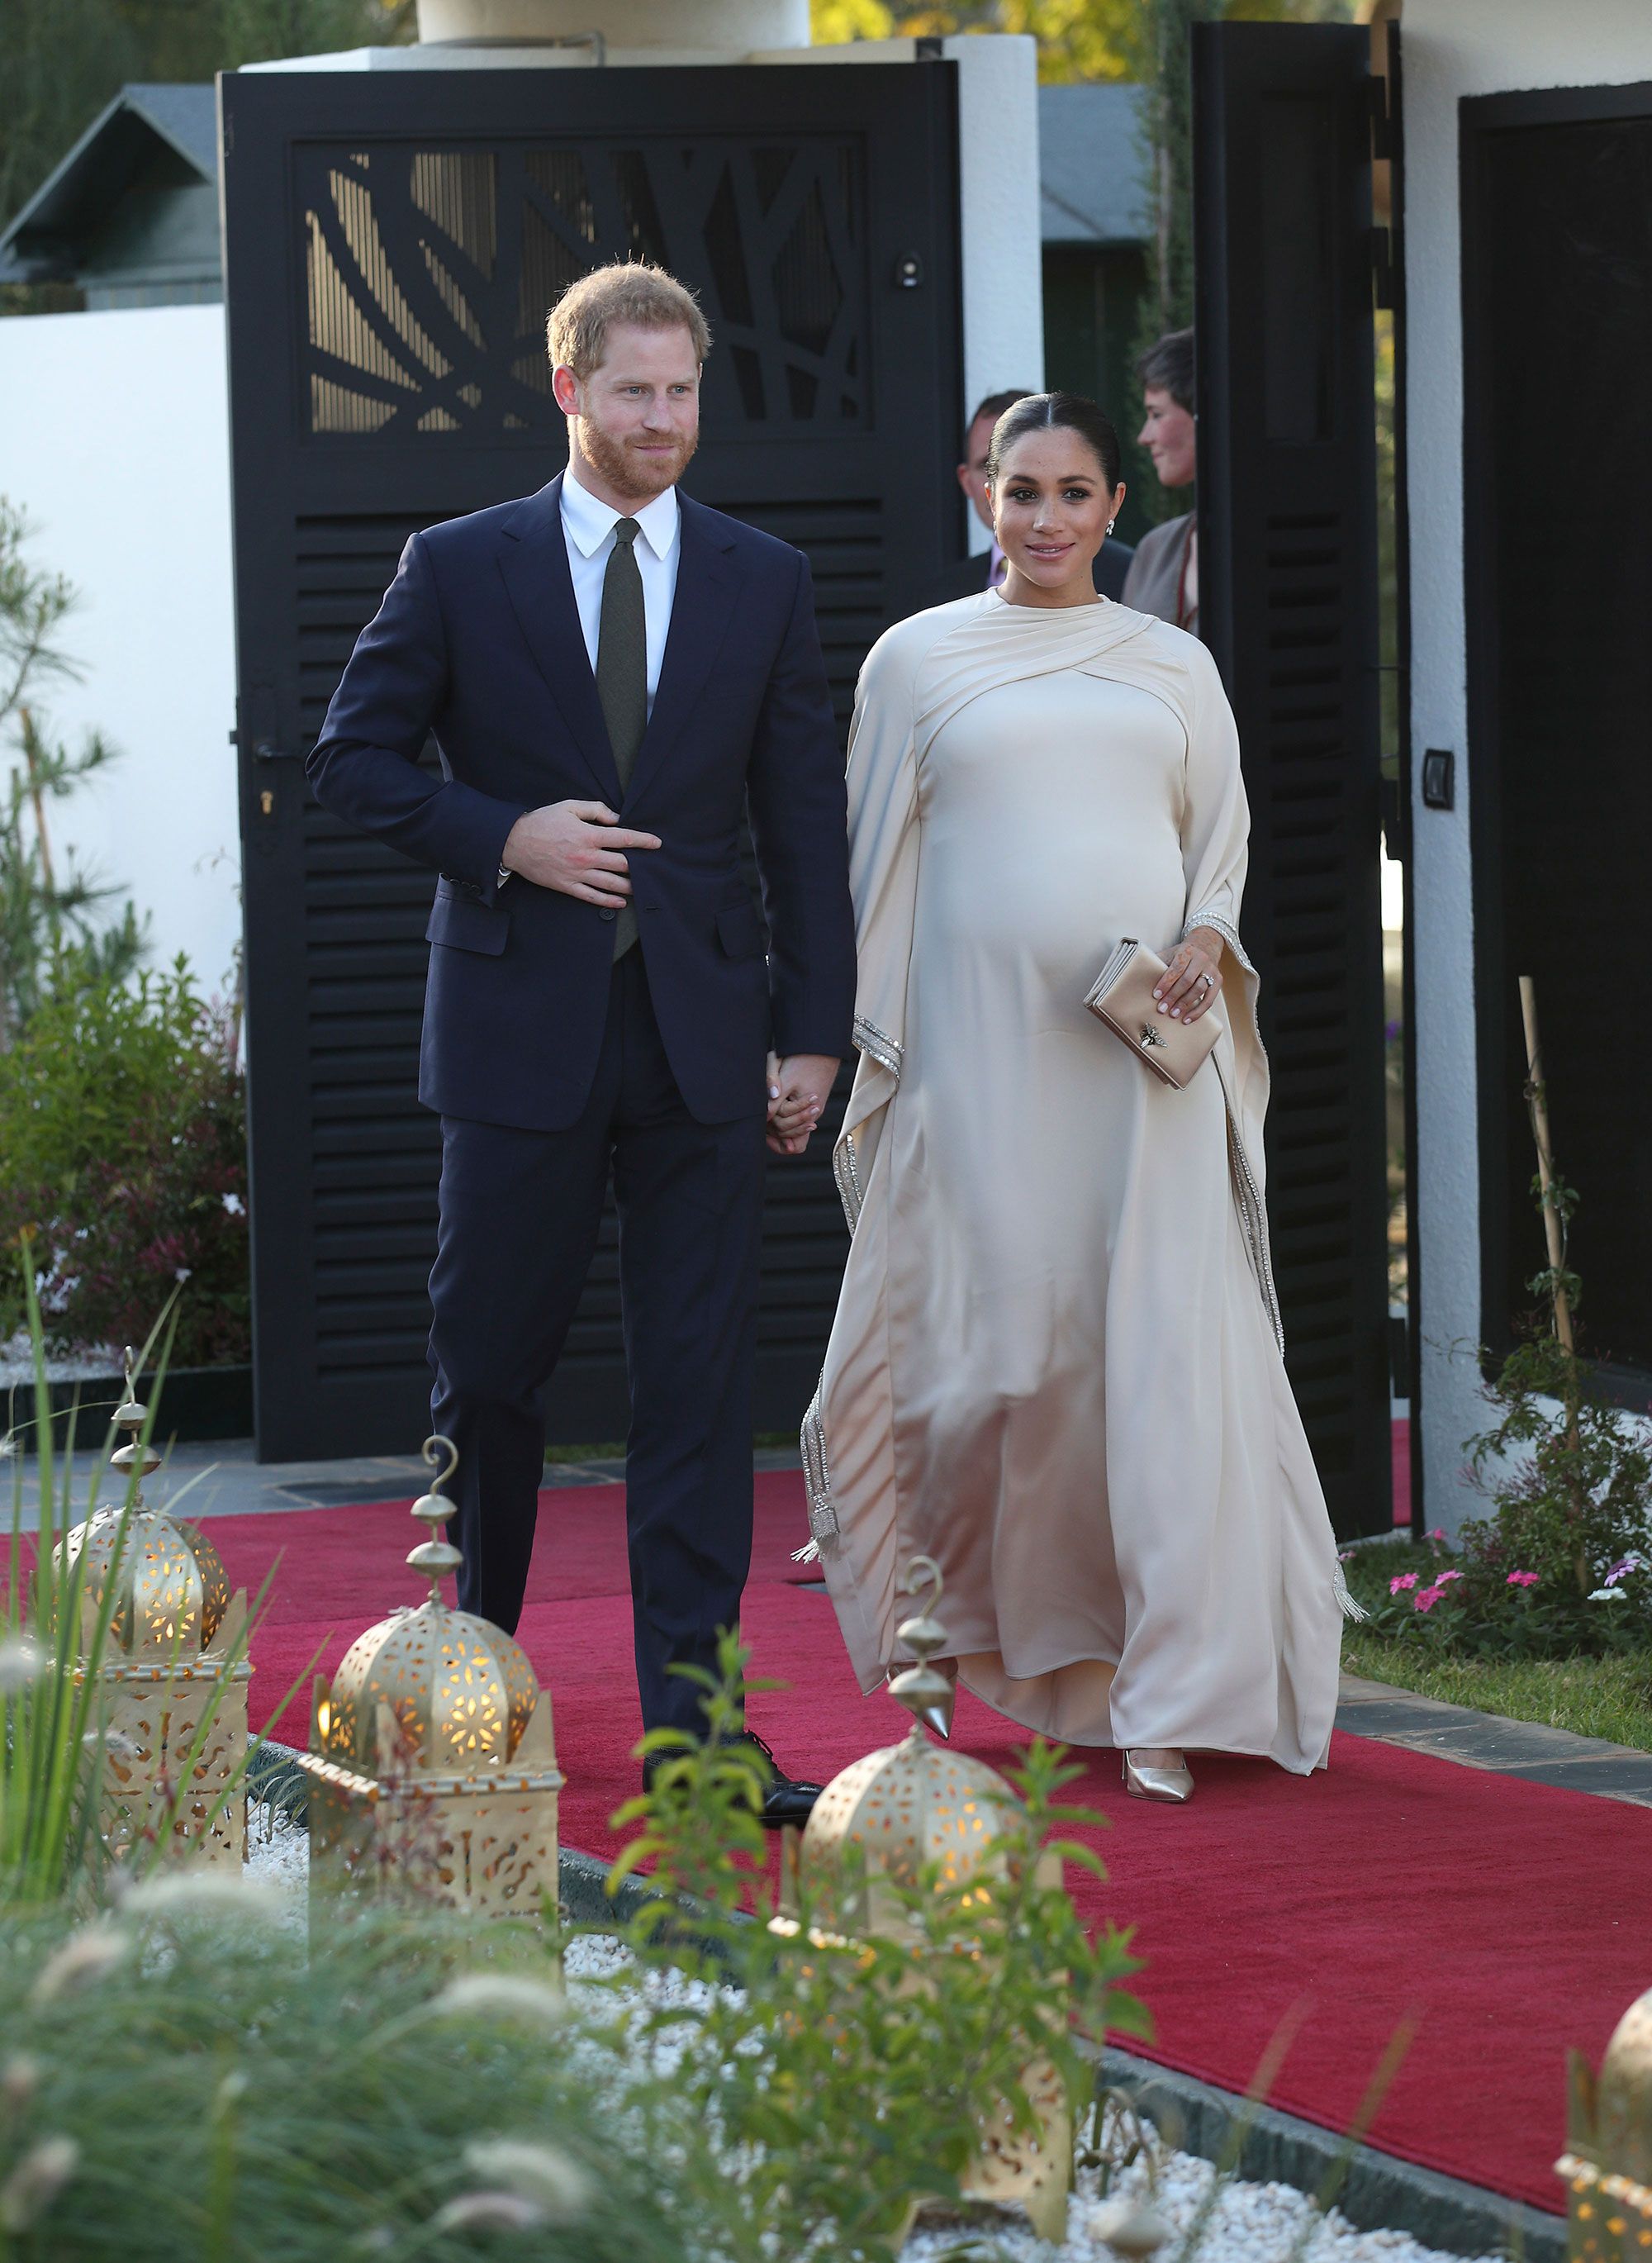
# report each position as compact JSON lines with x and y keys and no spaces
{"x":392,"y":243}
{"x":1287,"y":565}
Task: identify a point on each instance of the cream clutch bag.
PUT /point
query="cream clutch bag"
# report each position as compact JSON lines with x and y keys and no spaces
{"x":1123,"y":997}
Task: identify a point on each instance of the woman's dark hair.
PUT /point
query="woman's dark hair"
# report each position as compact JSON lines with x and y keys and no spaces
{"x":1039,"y":412}
{"x":1168,"y":364}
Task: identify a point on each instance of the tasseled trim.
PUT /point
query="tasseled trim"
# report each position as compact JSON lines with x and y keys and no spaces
{"x":817,"y":1478}
{"x":1253,"y":1218}
{"x":1350,"y":1606}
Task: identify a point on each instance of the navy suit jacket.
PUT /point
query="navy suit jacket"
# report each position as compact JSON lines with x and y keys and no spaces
{"x":477,"y":640}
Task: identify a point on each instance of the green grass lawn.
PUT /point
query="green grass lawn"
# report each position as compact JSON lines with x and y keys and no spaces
{"x":1609,"y":1697}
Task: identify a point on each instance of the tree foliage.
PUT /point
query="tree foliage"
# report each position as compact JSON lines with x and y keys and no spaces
{"x":45,"y":911}
{"x":61,"y":62}
{"x":1078,"y":39}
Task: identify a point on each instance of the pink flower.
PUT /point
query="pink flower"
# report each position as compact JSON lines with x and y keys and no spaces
{"x":1523,"y":1579}
{"x":1440,"y":1578}
{"x":1427,"y":1598}
{"x":1405,"y":1580}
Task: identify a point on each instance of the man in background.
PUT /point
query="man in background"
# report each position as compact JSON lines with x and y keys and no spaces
{"x":985,"y":570}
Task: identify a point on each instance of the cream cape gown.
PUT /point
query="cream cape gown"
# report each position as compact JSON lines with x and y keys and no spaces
{"x":1056,"y":1364}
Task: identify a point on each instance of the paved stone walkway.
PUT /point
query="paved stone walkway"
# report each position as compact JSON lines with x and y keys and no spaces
{"x":1487,"y":1740}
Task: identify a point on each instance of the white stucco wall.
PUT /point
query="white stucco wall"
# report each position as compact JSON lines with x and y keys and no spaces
{"x":1453,"y":48}
{"x":114,"y":438}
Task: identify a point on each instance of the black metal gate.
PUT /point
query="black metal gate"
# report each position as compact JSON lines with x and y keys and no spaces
{"x":1288,"y":603}
{"x":391,"y":244}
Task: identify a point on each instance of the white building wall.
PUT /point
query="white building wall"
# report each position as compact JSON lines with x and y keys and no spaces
{"x":1453,"y":48}
{"x":114,"y":437}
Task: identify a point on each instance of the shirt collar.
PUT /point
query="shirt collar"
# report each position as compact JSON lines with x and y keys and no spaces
{"x":590,"y":523}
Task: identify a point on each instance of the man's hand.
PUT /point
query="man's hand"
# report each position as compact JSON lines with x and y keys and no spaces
{"x":577,"y":848}
{"x":797,"y":1091}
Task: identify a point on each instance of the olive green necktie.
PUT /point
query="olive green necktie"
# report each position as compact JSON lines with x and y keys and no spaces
{"x":622,"y":675}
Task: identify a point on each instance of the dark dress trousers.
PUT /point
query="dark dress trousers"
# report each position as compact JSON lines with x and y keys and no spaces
{"x":967,"y":576}
{"x":551,"y":1064}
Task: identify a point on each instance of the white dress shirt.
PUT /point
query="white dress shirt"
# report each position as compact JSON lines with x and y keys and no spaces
{"x":589,"y":527}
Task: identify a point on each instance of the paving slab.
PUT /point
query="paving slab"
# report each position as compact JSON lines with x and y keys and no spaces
{"x":1534,"y":1750}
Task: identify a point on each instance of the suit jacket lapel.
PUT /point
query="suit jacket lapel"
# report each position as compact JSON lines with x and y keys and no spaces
{"x":533,"y":559}
{"x":701,"y":611}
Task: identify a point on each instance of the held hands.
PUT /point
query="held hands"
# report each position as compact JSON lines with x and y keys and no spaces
{"x":1193,"y":978}
{"x":797,"y":1091}
{"x":577,"y":848}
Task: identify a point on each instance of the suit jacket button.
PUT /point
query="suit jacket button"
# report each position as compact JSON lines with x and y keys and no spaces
{"x":606,"y":913}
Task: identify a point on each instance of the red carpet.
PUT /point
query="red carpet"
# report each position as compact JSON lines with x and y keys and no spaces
{"x":1513,"y":1919}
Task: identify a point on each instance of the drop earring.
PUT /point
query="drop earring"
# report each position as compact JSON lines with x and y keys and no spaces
{"x":1111,"y":522}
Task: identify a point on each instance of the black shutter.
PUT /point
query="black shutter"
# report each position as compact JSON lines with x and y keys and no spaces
{"x":1558,"y":567}
{"x":392,"y":243}
{"x":1288,"y":567}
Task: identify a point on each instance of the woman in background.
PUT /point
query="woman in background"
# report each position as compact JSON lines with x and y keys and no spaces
{"x":1056,"y":1366}
{"x":1164,"y":575}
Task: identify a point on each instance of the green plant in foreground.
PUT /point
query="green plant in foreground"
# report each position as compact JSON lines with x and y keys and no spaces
{"x":190,"y":2078}
{"x":846,"y":2079}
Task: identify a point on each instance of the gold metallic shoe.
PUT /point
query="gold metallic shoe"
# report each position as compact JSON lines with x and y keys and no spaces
{"x":1174,"y":1784}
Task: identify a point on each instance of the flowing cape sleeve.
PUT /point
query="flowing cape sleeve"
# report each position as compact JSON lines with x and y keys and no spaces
{"x":1215,"y":836}
{"x":883,"y":842}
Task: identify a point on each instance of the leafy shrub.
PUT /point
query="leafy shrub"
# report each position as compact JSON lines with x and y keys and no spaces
{"x":123,"y":1153}
{"x":1561,"y":1567}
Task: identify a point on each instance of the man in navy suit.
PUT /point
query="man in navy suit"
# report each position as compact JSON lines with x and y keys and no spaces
{"x":616,"y":676}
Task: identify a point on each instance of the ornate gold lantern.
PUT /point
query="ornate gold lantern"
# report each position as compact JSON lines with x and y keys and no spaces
{"x":175,"y":1654}
{"x":432,"y":1765}
{"x":1607,"y":2163}
{"x":880,"y":1824}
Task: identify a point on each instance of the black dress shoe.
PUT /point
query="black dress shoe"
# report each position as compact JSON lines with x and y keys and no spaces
{"x":785,"y":1799}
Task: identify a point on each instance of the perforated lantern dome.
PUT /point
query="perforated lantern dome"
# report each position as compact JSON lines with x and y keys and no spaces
{"x":905,"y":1806}
{"x":172,"y":1671}
{"x":462,"y":1693}
{"x":432,"y":1763}
{"x":171,"y":1590}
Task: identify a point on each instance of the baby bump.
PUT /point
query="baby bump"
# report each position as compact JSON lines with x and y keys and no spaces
{"x":1056,"y":895}
{"x":1050,"y":814}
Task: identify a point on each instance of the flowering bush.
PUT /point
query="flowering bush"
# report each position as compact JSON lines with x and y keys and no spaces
{"x":123,"y":1156}
{"x":1471,"y":1600}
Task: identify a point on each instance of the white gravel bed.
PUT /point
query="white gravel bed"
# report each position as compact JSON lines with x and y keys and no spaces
{"x":1249,"y":2223}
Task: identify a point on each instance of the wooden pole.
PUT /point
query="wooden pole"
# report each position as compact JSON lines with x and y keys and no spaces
{"x":1545,"y":1158}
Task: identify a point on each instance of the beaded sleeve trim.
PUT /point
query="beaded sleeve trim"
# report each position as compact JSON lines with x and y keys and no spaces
{"x":846,"y":1171}
{"x":1226,"y":930}
{"x":887,"y":1052}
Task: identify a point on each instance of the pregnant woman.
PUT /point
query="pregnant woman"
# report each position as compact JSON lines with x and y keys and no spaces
{"x":1056,"y":1364}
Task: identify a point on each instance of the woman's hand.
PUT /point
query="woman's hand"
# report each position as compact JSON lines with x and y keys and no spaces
{"x":1193,"y":977}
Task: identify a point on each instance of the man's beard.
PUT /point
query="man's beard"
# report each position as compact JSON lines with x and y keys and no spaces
{"x":636,"y":477}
